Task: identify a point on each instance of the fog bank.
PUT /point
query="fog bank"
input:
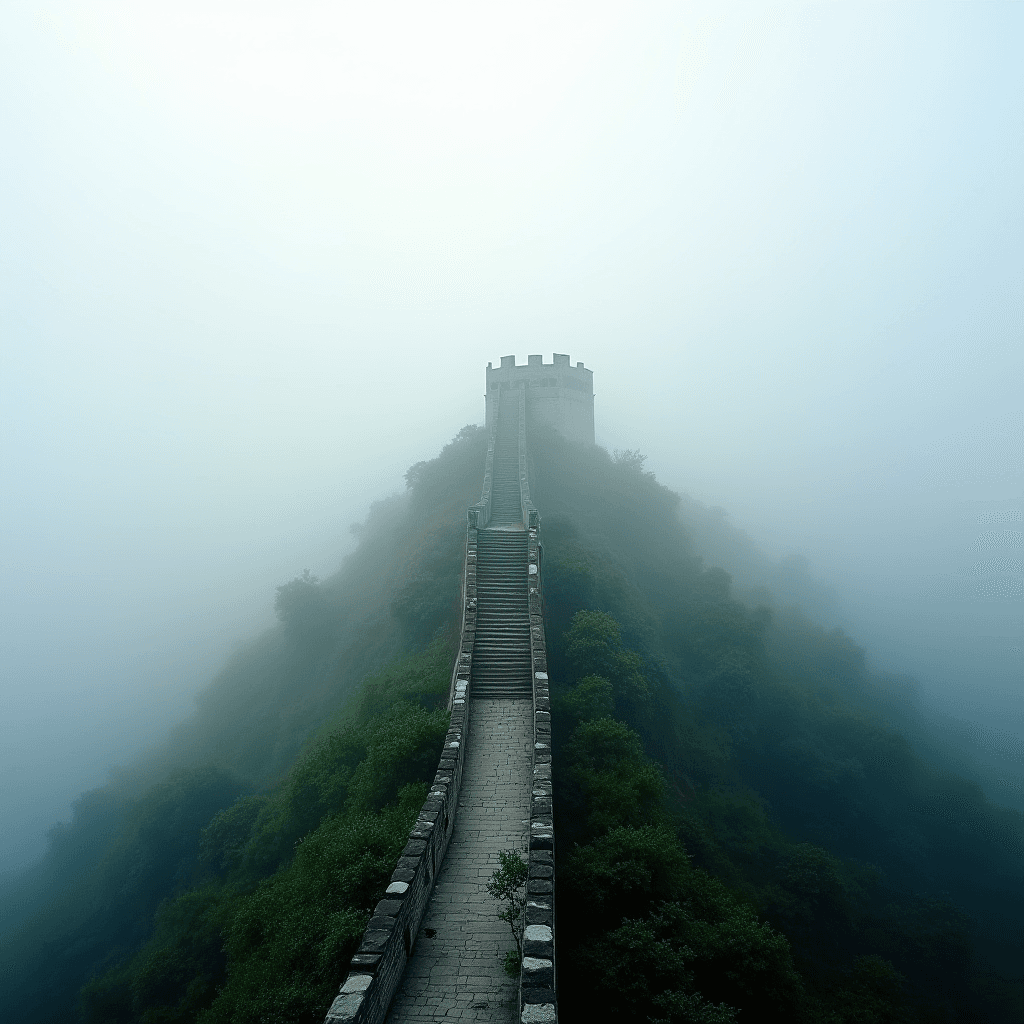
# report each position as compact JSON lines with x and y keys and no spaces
{"x":256,"y":259}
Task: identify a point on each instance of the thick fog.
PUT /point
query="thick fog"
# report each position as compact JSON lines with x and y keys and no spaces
{"x":256,"y":258}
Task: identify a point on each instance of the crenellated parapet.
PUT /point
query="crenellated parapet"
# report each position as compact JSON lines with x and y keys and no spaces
{"x":557,"y":393}
{"x":538,"y":999}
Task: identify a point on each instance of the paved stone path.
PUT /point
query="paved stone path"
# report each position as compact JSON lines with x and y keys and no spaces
{"x":457,"y":974}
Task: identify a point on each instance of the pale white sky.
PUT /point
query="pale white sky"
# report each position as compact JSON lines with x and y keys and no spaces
{"x":254,"y":258}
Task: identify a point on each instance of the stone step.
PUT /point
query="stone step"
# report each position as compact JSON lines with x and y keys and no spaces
{"x":501,"y":655}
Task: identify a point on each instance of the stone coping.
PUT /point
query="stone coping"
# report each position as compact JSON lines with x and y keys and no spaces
{"x":538,"y":997}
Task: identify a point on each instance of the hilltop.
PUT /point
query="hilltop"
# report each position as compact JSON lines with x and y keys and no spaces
{"x":734,"y":785}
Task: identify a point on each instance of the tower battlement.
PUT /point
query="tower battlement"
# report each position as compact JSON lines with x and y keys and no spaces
{"x":557,"y":393}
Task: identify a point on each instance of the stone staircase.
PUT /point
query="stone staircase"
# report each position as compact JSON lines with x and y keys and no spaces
{"x":501,"y":652}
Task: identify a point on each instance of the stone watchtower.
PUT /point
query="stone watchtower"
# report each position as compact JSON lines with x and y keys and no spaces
{"x":556,"y":393}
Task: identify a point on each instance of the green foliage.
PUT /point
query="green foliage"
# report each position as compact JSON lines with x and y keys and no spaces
{"x":624,"y":873}
{"x":298,"y":870}
{"x":222,"y":843}
{"x":708,"y":947}
{"x":286,"y":720}
{"x":512,"y":963}
{"x":787,"y":924}
{"x":594,"y":648}
{"x":507,"y":886}
{"x":611,"y":780}
{"x":592,"y":697}
{"x":792,"y":773}
{"x":289,"y":941}
{"x":751,"y":821}
{"x":304,"y":609}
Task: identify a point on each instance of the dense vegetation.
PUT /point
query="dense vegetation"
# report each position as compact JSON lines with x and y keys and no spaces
{"x":164,"y":878}
{"x":749,"y":822}
{"x":742,"y":820}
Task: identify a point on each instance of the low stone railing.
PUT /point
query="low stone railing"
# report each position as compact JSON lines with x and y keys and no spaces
{"x":376,"y":968}
{"x":538,"y":1001}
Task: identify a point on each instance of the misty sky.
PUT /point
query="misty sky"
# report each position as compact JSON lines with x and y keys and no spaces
{"x":255,"y":257}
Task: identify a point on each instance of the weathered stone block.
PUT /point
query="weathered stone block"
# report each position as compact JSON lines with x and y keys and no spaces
{"x":538,"y":886}
{"x":541,"y":870}
{"x":356,"y":983}
{"x":365,"y":962}
{"x":537,"y":973}
{"x":344,"y":1008}
{"x":374,"y":941}
{"x":388,"y":908}
{"x":542,"y":992}
{"x":538,"y":941}
{"x":539,"y":1013}
{"x":538,"y":915}
{"x":414,"y":848}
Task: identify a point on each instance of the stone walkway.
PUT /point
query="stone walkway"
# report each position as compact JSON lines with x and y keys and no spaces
{"x":456,"y":973}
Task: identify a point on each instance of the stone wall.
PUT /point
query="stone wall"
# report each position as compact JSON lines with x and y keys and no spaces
{"x":538,"y":1000}
{"x":376,"y":968}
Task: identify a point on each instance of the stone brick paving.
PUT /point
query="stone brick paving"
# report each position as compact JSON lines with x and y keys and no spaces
{"x":457,"y":973}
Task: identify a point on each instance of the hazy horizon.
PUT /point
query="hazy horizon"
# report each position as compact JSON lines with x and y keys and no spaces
{"x":255,"y":260}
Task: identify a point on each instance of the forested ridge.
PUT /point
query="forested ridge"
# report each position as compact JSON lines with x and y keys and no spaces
{"x":747,"y":827}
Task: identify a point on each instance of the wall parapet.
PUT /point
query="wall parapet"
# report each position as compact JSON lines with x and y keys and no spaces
{"x":538,"y":992}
